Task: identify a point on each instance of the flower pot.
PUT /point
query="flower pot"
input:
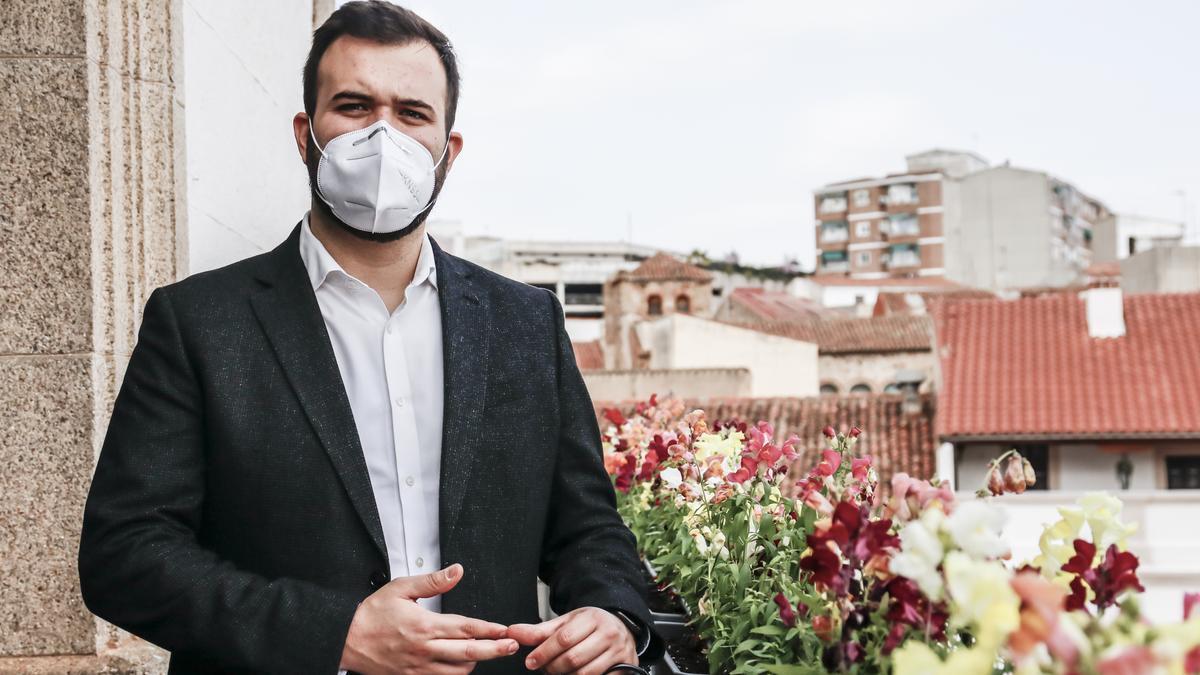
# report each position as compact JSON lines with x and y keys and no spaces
{"x":664,"y":605}
{"x":685,"y":653}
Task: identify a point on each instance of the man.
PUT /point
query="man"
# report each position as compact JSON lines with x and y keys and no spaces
{"x":305,"y":437}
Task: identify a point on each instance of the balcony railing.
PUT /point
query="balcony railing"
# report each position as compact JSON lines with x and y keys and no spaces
{"x":903,"y":259}
{"x":833,"y":205}
{"x":902,"y":194}
{"x":835,"y":266}
{"x":835,"y":234}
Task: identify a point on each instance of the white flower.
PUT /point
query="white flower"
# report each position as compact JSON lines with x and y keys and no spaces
{"x":921,"y":552}
{"x":976,"y":527}
{"x":671,"y":477}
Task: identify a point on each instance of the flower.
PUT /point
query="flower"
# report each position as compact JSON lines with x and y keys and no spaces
{"x":1014,"y":475}
{"x":916,"y":658}
{"x":982,"y":596}
{"x":1116,"y":574}
{"x":829,"y":432}
{"x":921,"y":553}
{"x":1129,"y":660}
{"x":671,"y":477}
{"x":976,"y":527}
{"x":786,"y":614}
{"x":1190,"y":600}
{"x":1041,"y":606}
{"x":823,"y":627}
{"x":995,"y":480}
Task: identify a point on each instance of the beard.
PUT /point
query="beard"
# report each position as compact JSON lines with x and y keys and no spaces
{"x":313,"y":161}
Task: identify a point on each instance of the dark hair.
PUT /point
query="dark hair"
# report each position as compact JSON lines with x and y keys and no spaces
{"x":386,"y":24}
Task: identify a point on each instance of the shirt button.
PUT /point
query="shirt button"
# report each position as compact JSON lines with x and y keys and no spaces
{"x":410,"y":481}
{"x":399,"y":401}
{"x":391,"y":328}
{"x":420,"y":562}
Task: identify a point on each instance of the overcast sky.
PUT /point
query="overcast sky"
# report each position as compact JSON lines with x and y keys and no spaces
{"x":708,"y":124}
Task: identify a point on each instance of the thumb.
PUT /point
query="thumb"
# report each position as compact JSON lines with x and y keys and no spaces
{"x":432,"y":584}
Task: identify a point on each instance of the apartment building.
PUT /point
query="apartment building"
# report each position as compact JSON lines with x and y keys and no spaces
{"x":952,"y":216}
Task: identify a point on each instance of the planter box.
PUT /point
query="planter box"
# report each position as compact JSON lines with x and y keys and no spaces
{"x":657,"y":615}
{"x":675,"y":632}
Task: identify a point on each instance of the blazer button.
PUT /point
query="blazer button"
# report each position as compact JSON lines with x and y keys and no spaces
{"x":378,"y":579}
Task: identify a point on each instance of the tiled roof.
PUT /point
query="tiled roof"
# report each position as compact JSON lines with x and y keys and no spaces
{"x":897,"y":441}
{"x":1026,"y":368}
{"x":917,"y":302}
{"x":775,"y":305}
{"x":897,"y":333}
{"x":664,"y":267}
{"x":918,"y":283}
{"x":589,"y":355}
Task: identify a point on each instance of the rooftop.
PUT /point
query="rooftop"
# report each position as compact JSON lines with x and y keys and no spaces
{"x":896,"y":333}
{"x":664,"y":267}
{"x":775,"y":305}
{"x":1026,"y":368}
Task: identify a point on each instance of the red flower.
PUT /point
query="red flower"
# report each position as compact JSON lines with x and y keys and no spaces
{"x":829,"y":432}
{"x":855,"y":432}
{"x":823,"y":627}
{"x":786,"y":614}
{"x":1114,"y":575}
{"x":1190,"y":600}
{"x":859,"y":467}
{"x":613,"y":415}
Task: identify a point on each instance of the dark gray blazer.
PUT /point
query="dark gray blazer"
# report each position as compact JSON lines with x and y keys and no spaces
{"x":231,"y":518}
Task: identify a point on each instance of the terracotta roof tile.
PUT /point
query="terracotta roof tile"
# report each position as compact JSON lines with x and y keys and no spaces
{"x":917,"y":302}
{"x":664,"y":267}
{"x":897,"y":333}
{"x":775,"y":305}
{"x":896,"y":440}
{"x":589,"y":355}
{"x":1026,"y":368}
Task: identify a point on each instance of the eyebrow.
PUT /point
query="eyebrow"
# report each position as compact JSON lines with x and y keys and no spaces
{"x":350,"y":95}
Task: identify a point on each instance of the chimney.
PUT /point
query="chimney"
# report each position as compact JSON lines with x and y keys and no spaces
{"x":1105,"y":312}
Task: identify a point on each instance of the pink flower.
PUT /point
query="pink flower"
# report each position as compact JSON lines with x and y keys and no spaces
{"x":855,"y":432}
{"x":829,"y":432}
{"x":859,"y":467}
{"x":1132,"y":660}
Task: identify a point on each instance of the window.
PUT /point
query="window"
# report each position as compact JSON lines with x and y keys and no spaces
{"x":862,"y":198}
{"x":1183,"y":473}
{"x":828,"y":389}
{"x":584,"y":294}
{"x":862,"y":229}
{"x":864,"y":258}
{"x":683,"y":304}
{"x":860,"y":389}
{"x":892,"y":388}
{"x":654,"y":305}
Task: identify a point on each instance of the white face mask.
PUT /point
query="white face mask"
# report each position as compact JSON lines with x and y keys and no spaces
{"x":376,"y":179}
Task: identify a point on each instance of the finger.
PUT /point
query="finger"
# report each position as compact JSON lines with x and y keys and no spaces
{"x":581,"y":655}
{"x":455,"y":626}
{"x":471,"y":650}
{"x":533,"y":634}
{"x":430,"y":585}
{"x":447,"y":668}
{"x":570,"y":634}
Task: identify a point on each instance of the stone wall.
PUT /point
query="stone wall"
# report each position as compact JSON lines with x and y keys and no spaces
{"x":638,"y":385}
{"x":91,"y":199}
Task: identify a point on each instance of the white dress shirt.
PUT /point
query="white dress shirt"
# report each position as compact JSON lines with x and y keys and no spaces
{"x":391,"y":366}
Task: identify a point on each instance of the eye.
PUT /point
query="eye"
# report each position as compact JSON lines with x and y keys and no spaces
{"x":414,"y":114}
{"x":352,"y":106}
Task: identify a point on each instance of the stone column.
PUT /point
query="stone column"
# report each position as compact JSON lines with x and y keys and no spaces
{"x":91,"y":220}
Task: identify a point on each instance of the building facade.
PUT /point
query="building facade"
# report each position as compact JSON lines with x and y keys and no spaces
{"x":952,"y":216}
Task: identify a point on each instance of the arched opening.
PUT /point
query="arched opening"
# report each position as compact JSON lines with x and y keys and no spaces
{"x":683,"y":304}
{"x":654,"y":305}
{"x":828,"y":389}
{"x":892,"y":388}
{"x":860,"y":389}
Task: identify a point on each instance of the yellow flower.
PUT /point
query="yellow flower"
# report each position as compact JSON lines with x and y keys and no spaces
{"x":982,"y":597}
{"x":916,"y":658}
{"x":717,"y":445}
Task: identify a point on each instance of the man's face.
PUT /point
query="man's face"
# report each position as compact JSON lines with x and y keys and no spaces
{"x":360,"y":82}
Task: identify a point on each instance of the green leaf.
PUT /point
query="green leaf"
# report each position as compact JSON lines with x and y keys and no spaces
{"x":768,"y":630}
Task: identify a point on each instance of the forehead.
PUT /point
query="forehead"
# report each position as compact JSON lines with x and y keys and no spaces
{"x":411,"y":70}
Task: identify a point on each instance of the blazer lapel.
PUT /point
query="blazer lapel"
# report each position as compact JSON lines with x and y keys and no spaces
{"x":466,"y":324}
{"x":291,"y":319}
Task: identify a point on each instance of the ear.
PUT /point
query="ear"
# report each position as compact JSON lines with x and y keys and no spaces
{"x":300,"y":130}
{"x":456,"y":144}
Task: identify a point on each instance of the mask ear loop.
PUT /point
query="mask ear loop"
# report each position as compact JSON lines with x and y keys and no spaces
{"x":433,"y":198}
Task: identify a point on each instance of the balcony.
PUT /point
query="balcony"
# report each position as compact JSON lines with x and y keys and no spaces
{"x":903,"y":256}
{"x":832,"y":204}
{"x":834,"y":261}
{"x":905,"y":225}
{"x":902,"y":194}
{"x":835,"y":232}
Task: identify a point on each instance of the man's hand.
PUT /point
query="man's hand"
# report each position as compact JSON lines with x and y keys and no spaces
{"x":392,"y":634}
{"x":588,"y":641}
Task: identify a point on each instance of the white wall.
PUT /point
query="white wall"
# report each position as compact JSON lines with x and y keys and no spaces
{"x":246,"y":185}
{"x":1072,"y":467}
{"x":778,"y":366}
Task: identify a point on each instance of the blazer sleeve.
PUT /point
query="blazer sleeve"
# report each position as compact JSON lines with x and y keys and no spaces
{"x":589,"y":556}
{"x":141,"y":565}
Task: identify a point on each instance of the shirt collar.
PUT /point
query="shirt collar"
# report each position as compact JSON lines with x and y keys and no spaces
{"x":320,"y":264}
